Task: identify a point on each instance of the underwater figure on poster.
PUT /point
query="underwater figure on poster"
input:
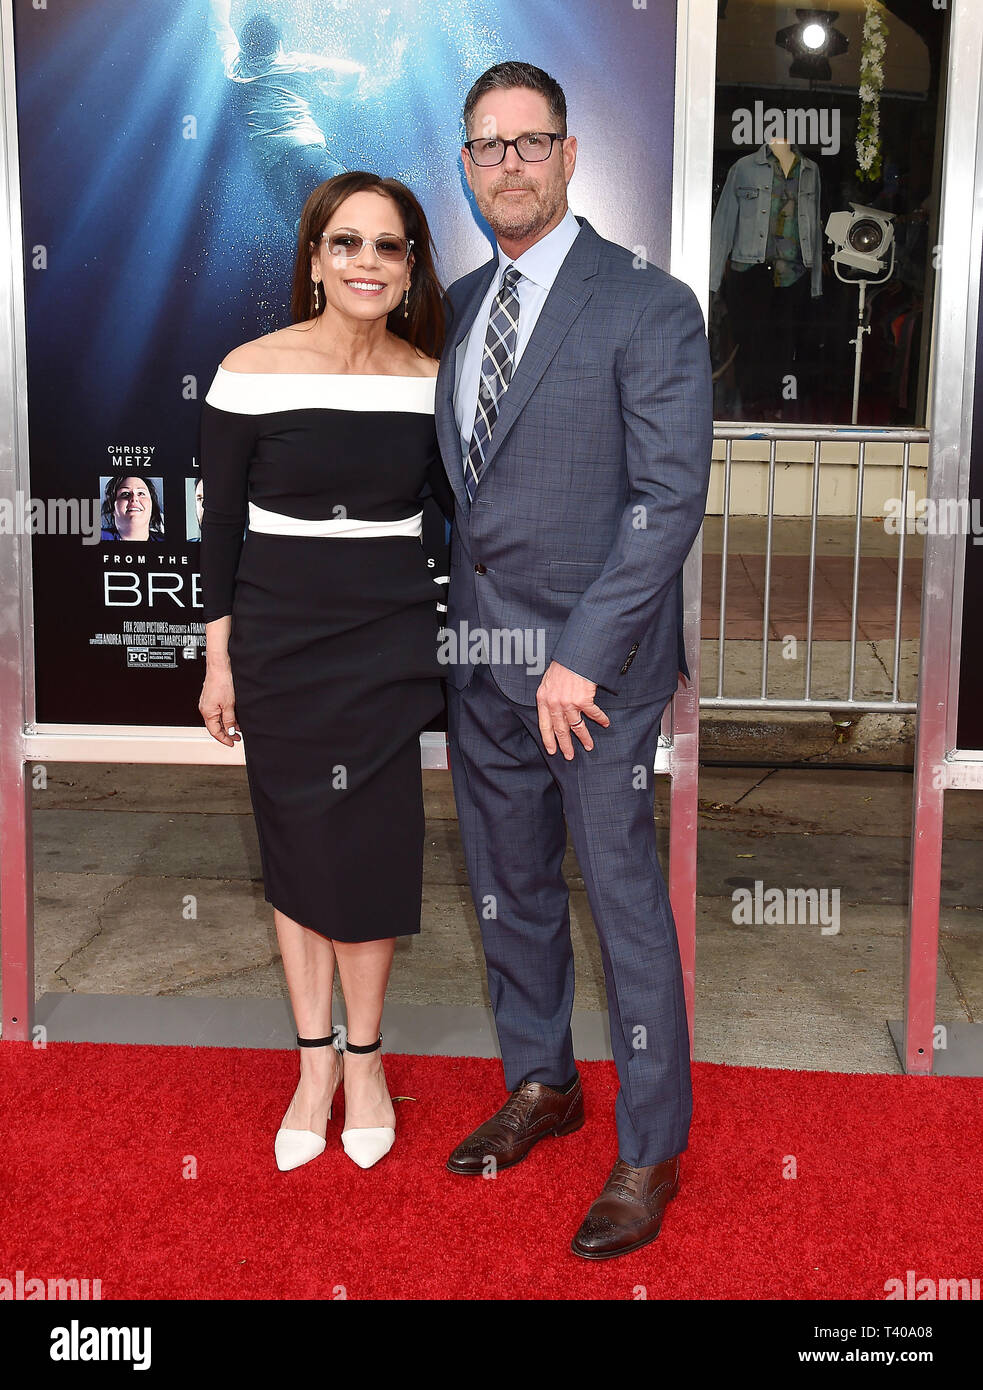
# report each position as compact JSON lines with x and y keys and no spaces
{"x":276,"y":92}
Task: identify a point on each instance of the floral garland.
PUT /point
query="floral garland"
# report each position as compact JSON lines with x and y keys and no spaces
{"x":871,"y":82}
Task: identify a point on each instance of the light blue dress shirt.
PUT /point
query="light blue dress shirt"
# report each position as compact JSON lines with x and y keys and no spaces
{"x":539,"y":266}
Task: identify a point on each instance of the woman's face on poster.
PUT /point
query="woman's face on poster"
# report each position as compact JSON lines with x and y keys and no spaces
{"x":363,"y":286}
{"x":199,"y":502}
{"x":133,"y":508}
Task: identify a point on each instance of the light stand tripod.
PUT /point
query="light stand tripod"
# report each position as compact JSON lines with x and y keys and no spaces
{"x":862,"y":326}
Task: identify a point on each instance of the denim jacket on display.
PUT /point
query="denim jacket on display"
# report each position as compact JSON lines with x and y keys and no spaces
{"x":743,"y":214}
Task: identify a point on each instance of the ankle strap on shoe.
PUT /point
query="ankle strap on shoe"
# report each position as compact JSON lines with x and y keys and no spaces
{"x":370,"y":1047}
{"x":316,"y":1042}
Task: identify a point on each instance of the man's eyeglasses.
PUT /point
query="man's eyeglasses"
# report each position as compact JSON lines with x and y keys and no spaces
{"x":347,"y":245}
{"x":533,"y":148}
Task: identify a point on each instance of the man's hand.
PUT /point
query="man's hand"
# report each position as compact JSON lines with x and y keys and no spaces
{"x":562,"y":699}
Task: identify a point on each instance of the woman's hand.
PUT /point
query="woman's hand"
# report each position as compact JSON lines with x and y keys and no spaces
{"x":218,"y":706}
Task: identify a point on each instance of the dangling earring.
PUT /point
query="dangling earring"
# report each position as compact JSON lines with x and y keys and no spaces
{"x":406,"y":303}
{"x":317,"y":297}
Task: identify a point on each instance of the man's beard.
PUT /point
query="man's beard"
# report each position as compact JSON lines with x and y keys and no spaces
{"x":535,"y":212}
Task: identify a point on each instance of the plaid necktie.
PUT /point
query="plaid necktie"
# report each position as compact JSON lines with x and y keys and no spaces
{"x":496,"y":372}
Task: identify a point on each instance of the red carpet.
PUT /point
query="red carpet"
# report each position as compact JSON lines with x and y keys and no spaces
{"x":96,"y":1140}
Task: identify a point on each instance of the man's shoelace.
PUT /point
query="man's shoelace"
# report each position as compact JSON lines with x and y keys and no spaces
{"x":630,"y":1183}
{"x":515,"y":1111}
{"x":626,"y":1180}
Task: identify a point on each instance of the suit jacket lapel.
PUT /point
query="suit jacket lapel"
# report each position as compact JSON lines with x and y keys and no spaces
{"x":569,"y":293}
{"x":448,"y":434}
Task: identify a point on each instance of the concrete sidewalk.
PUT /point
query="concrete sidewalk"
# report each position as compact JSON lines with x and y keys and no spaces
{"x":124,"y":856}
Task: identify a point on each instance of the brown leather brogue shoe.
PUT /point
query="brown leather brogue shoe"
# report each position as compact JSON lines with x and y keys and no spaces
{"x":628,"y":1213}
{"x":531,"y":1112}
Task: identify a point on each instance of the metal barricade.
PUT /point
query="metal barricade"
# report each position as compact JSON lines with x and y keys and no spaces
{"x":847,"y":699}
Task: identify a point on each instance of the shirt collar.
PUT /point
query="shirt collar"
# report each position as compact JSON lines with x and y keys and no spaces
{"x":542,"y":261}
{"x":774,"y":158}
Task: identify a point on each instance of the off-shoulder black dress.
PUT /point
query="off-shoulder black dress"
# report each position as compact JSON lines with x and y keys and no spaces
{"x":334,"y":637}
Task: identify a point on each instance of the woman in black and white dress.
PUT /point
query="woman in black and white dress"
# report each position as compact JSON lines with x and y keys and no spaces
{"x":322,"y":624}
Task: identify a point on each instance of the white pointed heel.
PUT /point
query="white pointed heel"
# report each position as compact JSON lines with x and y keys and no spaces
{"x":295,"y":1147}
{"x":367,"y":1145}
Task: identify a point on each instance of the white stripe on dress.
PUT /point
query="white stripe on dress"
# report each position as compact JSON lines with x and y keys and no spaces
{"x":261,"y":393}
{"x":276,"y":524}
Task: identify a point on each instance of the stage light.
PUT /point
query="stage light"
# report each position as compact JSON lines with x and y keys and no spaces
{"x":863,"y":242}
{"x":862,"y":239}
{"x":812,"y":41}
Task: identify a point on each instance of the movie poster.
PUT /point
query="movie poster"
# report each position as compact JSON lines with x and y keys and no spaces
{"x":160,"y":204}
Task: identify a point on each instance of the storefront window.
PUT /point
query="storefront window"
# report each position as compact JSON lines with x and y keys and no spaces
{"x":827,"y":174}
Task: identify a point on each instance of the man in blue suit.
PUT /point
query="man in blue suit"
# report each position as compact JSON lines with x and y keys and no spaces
{"x":574,"y":412}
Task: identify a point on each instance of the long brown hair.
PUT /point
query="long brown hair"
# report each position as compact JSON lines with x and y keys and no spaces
{"x":424,"y":327}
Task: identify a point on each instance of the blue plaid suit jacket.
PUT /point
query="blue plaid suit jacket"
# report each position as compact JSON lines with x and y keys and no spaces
{"x":596,"y":479}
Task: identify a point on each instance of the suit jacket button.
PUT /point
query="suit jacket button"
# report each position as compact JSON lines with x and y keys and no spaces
{"x":480,"y":569}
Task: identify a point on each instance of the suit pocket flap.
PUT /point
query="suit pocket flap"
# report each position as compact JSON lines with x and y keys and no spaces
{"x":567,"y":371}
{"x":573,"y":576}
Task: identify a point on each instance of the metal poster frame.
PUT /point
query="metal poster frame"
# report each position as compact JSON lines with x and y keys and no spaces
{"x":689,"y":260}
{"x":939,"y":764}
{"x":24,"y":742}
